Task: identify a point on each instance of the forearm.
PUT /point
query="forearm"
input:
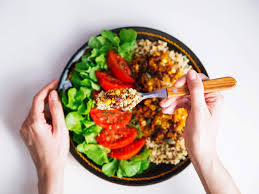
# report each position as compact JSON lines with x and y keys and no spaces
{"x":213,"y":175}
{"x":51,"y":181}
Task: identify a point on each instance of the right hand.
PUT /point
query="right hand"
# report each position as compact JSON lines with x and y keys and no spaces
{"x":204,"y":111}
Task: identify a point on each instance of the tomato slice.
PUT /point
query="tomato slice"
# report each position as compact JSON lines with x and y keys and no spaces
{"x":128,"y":151}
{"x":108,"y":82}
{"x":119,"y":67}
{"x":110,"y":119}
{"x":117,"y":138}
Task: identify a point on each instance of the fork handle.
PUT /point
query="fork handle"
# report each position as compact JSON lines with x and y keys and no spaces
{"x":212,"y":85}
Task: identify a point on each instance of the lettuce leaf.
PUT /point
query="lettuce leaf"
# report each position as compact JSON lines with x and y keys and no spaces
{"x":134,"y":123}
{"x":135,"y":165}
{"x":74,"y":98}
{"x":94,"y":42}
{"x":123,"y":44}
{"x":78,"y":138}
{"x":90,"y":138}
{"x":144,"y":165}
{"x":143,"y":155}
{"x":125,"y":50}
{"x":129,"y":168}
{"x":110,"y":168}
{"x":74,"y":122}
{"x":85,"y":108}
{"x":108,"y":35}
{"x":95,"y":152}
{"x":127,"y":35}
{"x":78,"y":102}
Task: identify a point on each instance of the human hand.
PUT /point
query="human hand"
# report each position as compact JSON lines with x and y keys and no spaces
{"x":48,"y":143}
{"x":204,"y":111}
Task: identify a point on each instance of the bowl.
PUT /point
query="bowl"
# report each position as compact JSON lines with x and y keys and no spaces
{"x":155,"y":173}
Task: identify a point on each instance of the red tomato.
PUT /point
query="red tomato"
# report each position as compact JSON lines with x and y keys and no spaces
{"x":108,"y":82}
{"x":110,"y":119}
{"x":129,"y":151}
{"x":119,"y":67}
{"x":117,"y":138}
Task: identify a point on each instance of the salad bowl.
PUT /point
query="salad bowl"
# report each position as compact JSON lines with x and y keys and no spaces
{"x":155,"y":173}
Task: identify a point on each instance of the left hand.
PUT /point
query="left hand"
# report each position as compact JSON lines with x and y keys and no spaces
{"x":48,"y":143}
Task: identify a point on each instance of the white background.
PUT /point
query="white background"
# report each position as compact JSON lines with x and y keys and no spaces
{"x":37,"y":38}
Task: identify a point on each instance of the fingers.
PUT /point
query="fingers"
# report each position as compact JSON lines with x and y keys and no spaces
{"x":179,"y":83}
{"x":56,"y":110}
{"x":183,"y":102}
{"x":196,"y":89}
{"x":168,"y":102}
{"x":202,"y":76}
{"x":39,"y":98}
{"x":214,"y":102}
{"x":170,"y":108}
{"x":182,"y":80}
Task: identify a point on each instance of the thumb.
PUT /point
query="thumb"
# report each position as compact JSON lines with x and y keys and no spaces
{"x":196,"y":89}
{"x":56,"y":111}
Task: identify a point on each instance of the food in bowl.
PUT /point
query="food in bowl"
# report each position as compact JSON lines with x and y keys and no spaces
{"x":123,"y":143}
{"x":154,"y":67}
{"x":120,"y":99}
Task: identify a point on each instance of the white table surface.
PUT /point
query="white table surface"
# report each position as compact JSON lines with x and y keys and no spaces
{"x":37,"y":38}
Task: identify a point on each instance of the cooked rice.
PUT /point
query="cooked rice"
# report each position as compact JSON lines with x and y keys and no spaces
{"x":146,"y":47}
{"x":164,"y":152}
{"x":122,"y":99}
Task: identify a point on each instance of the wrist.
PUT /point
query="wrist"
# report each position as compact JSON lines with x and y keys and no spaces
{"x":200,"y":151}
{"x":50,"y":179}
{"x":47,"y":172}
{"x":202,"y":158}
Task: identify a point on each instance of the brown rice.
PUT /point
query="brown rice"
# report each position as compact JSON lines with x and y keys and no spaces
{"x":174,"y":151}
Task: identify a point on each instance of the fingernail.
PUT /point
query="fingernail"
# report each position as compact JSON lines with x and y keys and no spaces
{"x":192,"y":75}
{"x":54,"y":95}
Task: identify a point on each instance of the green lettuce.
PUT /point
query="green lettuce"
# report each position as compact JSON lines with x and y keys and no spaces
{"x":91,"y":132}
{"x":143,"y":155}
{"x":129,"y":168}
{"x":134,"y":123}
{"x":78,"y":101}
{"x":85,"y":107}
{"x":78,"y":138}
{"x":74,"y":122}
{"x":144,"y":165}
{"x":95,"y":152}
{"x":110,"y":168}
{"x":127,"y":35}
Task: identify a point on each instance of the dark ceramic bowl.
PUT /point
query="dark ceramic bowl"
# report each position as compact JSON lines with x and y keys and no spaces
{"x":155,"y":173}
